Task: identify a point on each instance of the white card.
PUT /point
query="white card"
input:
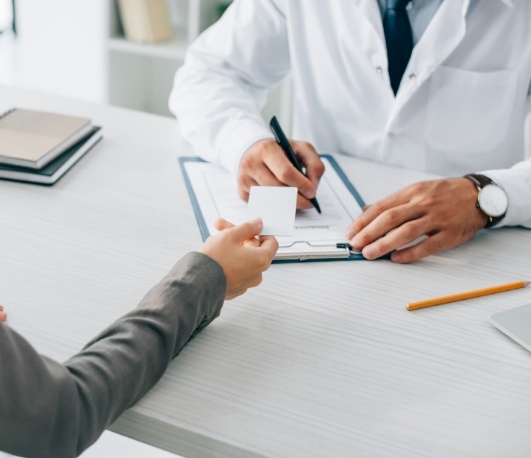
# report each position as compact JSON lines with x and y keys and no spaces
{"x":276,"y":205}
{"x":516,"y":323}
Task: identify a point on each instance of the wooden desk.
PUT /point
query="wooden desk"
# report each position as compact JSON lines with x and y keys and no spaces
{"x":329,"y":364}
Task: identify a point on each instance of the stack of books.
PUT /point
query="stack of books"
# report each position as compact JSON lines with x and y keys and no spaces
{"x":40,"y":147}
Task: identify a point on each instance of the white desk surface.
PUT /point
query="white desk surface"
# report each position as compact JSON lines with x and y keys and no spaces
{"x":321,"y":360}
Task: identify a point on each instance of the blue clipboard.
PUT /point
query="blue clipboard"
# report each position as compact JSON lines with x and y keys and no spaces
{"x":335,"y":253}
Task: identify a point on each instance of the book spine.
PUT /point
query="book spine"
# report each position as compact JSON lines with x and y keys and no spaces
{"x":145,"y":21}
{"x":131,"y":14}
{"x":158,"y":20}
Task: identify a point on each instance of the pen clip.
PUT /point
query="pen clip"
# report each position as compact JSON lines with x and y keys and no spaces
{"x":344,"y":245}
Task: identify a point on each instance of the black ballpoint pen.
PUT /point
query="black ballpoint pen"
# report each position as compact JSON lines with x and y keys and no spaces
{"x":286,"y":147}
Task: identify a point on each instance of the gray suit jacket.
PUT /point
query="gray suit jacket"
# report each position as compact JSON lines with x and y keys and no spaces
{"x":48,"y":409}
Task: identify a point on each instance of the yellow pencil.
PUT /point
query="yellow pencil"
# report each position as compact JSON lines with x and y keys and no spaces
{"x":467,"y":295}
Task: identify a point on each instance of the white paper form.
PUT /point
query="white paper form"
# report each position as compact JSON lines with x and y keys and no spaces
{"x":315,"y":236}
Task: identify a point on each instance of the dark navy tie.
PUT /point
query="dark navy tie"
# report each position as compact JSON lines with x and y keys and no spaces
{"x":398,"y":39}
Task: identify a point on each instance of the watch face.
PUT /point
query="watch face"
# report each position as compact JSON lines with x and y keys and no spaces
{"x":493,"y":200}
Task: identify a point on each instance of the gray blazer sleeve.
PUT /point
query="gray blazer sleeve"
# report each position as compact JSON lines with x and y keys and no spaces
{"x":48,"y":409}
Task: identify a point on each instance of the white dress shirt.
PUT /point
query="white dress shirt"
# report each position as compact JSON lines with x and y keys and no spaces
{"x":460,"y":108}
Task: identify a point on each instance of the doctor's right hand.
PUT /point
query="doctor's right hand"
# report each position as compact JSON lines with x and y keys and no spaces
{"x":265,"y":164}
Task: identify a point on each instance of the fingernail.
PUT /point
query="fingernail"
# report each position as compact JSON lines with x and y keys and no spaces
{"x":349,"y":234}
{"x":396,"y":257}
{"x":368,"y":253}
{"x":356,"y":246}
{"x":309,"y":193}
{"x":257,"y":222}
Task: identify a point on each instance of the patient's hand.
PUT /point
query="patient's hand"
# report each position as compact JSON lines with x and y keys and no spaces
{"x":242,"y":254}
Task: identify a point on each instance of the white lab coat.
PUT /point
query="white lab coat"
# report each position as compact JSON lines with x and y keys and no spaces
{"x":460,"y":108}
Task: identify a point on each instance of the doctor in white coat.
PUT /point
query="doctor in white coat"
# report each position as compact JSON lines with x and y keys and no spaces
{"x":457,"y":107}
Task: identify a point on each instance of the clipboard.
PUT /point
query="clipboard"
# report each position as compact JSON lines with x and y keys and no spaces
{"x":213,"y":193}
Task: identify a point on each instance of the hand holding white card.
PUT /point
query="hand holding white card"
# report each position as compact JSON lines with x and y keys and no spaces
{"x":276,"y":206}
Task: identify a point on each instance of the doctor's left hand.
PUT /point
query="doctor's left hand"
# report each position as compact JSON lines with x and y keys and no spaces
{"x":443,"y":211}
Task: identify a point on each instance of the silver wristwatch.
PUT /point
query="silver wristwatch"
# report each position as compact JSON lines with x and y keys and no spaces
{"x":492,"y":199}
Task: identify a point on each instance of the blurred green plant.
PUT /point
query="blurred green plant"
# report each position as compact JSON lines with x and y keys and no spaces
{"x":220,"y":9}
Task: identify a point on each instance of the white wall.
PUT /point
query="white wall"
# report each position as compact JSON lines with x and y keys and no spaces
{"x":5,"y":14}
{"x":60,"y":48}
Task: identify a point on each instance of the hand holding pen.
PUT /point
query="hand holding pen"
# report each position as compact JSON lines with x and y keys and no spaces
{"x":283,"y":142}
{"x":266,"y":164}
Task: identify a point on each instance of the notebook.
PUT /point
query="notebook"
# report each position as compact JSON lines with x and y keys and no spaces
{"x":31,"y":138}
{"x":51,"y":172}
{"x":213,"y":192}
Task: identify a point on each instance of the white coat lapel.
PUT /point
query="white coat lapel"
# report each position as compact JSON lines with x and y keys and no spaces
{"x":371,"y":11}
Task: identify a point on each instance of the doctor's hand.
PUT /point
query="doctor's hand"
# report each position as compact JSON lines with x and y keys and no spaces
{"x":242,"y":254}
{"x":443,"y":211}
{"x":265,"y":164}
{"x":3,"y":316}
